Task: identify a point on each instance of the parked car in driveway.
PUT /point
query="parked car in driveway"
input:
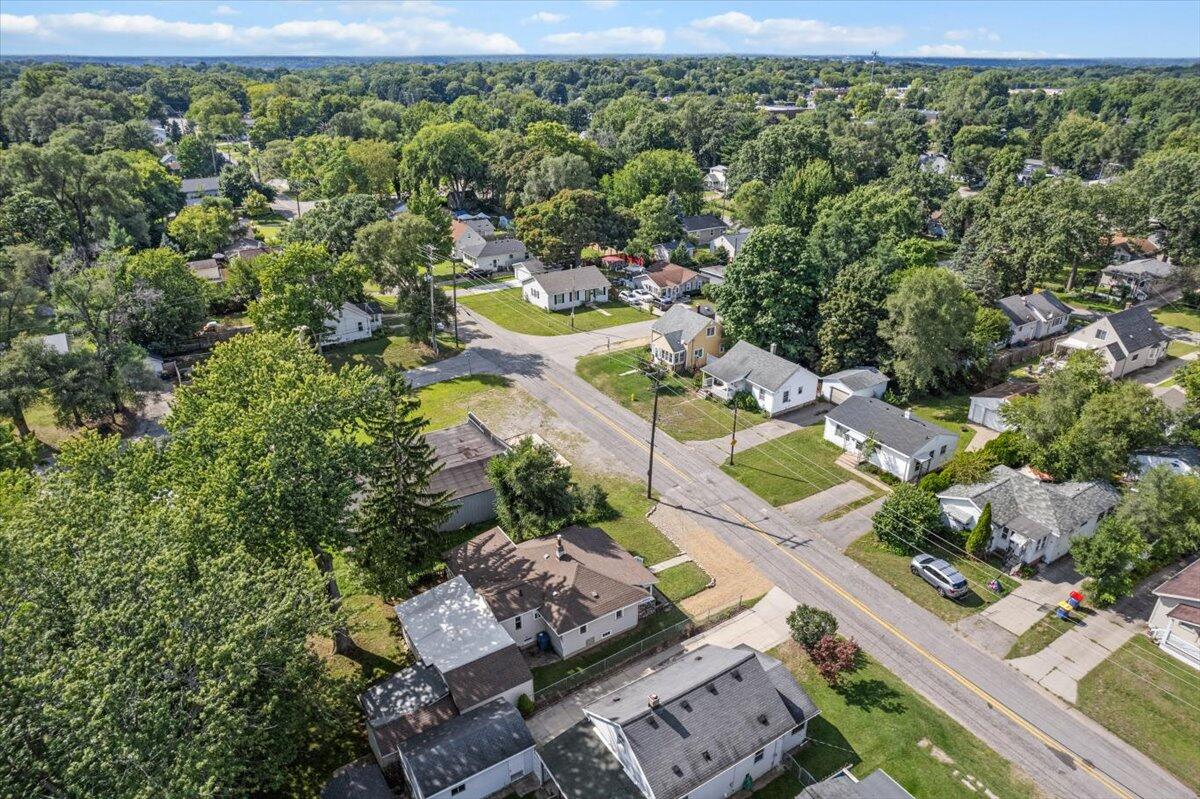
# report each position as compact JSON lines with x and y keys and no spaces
{"x":948,"y":581}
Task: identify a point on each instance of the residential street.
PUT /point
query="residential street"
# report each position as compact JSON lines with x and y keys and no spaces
{"x":1064,"y":751}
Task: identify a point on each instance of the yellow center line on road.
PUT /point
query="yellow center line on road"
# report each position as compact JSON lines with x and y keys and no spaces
{"x":1012,"y":715}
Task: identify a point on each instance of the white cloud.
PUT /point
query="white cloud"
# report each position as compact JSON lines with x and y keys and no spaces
{"x":545,"y":18}
{"x":792,"y":33}
{"x":225,"y":11}
{"x":398,"y":35}
{"x":959,"y":51}
{"x":603,"y":5}
{"x":612,"y":40}
{"x":966,"y":34}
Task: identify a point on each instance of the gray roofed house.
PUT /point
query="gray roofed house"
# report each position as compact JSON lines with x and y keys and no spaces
{"x":776,"y":383}
{"x":1139,"y":340}
{"x":704,"y":227}
{"x":491,"y":247}
{"x":463,"y":452}
{"x":200,"y":185}
{"x":361,"y":779}
{"x":1143,"y":277}
{"x":684,"y":339}
{"x":862,"y":381}
{"x":678,"y":326}
{"x":404,"y":692}
{"x":986,"y":406}
{"x":490,"y":254}
{"x":1031,"y":520}
{"x":907,"y":446}
{"x":1034,"y":316}
{"x":582,"y":279}
{"x":843,"y":785}
{"x":710,"y":711}
{"x":468,"y":745}
{"x":583,"y":767}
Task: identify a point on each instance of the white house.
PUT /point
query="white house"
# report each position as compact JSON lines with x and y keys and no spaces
{"x":904,"y":446}
{"x":1127,"y":340}
{"x":566,"y":288}
{"x":731,"y":242}
{"x":1031,"y":520}
{"x":704,"y":228}
{"x":196,"y":189}
{"x":578,"y":587}
{"x":528,"y":268}
{"x":986,"y":405}
{"x":717,"y":179}
{"x":777,"y":384}
{"x":480,"y":754}
{"x":861,"y":381}
{"x":1175,"y":621}
{"x":705,"y":726}
{"x":1143,"y":278}
{"x":1034,"y":316}
{"x":1031,"y":167}
{"x":669,"y":281}
{"x":492,"y":255}
{"x":56,"y":342}
{"x":354,"y":321}
{"x":469,"y":233}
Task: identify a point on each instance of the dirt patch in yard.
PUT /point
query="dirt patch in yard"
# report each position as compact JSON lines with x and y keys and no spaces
{"x":736,"y":577}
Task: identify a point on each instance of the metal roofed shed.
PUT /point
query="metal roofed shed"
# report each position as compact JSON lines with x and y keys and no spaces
{"x":843,"y":785}
{"x":463,"y":451}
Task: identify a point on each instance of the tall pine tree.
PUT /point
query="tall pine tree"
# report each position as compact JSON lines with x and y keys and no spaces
{"x":398,"y":517}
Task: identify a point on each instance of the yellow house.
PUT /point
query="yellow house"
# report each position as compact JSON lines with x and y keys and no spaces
{"x":684,"y":339}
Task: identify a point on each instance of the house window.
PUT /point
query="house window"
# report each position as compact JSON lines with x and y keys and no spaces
{"x":558,"y":298}
{"x":620,"y":613}
{"x":606,"y":633}
{"x":759,"y":755}
{"x":712,"y":331}
{"x":517,"y":624}
{"x":583,"y":629}
{"x":943,"y":452}
{"x":762,"y":394}
{"x":721,"y":349}
{"x":698,"y":353}
{"x":787,"y":396}
{"x":457,"y":789}
{"x":1101,"y":334}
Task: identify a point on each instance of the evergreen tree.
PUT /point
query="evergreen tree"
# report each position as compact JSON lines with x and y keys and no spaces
{"x":398,"y":518}
{"x":982,"y":532}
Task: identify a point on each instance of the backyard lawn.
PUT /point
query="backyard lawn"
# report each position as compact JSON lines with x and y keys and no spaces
{"x":1179,"y":317}
{"x":269,"y":230}
{"x":395,"y":350}
{"x":632,"y":530}
{"x":446,"y":403}
{"x":509,"y":310}
{"x":1154,"y":709}
{"x":1178,"y":349}
{"x":681,"y":413}
{"x":873,"y":720}
{"x":893,"y":568}
{"x":1038,"y":637}
{"x":949,"y":412}
{"x":789,"y":468}
{"x":680,"y":582}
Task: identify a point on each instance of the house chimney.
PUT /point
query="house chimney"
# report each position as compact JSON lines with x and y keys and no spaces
{"x":653,"y":700}
{"x":558,"y":547}
{"x":908,"y":413}
{"x":772,"y":347}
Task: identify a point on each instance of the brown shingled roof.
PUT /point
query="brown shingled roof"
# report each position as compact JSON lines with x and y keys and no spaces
{"x":488,"y":677}
{"x":593,"y":578}
{"x":1185,"y":584}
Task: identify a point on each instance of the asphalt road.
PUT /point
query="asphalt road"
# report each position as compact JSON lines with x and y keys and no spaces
{"x":1063,"y":751}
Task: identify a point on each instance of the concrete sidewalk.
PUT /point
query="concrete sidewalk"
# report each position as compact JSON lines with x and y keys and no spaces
{"x":763,"y":627}
{"x":1060,"y":666}
{"x":466,"y":363}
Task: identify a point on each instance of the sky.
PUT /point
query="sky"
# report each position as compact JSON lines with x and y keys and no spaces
{"x":980,"y":29}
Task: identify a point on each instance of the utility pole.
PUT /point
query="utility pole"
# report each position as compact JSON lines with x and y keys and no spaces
{"x":454,"y":290}
{"x":432,"y":306}
{"x":733,"y":438}
{"x":656,"y":382}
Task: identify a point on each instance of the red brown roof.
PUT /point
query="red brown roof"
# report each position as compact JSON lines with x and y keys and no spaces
{"x":1188,"y":614}
{"x":672,"y":275}
{"x":1184,"y":585}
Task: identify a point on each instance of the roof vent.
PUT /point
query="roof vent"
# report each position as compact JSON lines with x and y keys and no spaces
{"x":712,"y":688}
{"x":707,"y":756}
{"x":595,"y":595}
{"x":762,"y":719}
{"x":652,"y":700}
{"x":686,"y":705}
{"x":558,"y":547}
{"x":737,"y":675}
{"x":653,"y":722}
{"x":908,"y":413}
{"x":678,"y":771}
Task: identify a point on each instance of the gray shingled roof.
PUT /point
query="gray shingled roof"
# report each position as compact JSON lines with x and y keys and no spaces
{"x":747,"y":362}
{"x":1142,"y":267}
{"x":679,"y":325}
{"x":585,"y":278}
{"x":886,"y":424}
{"x":463,"y":452}
{"x":1022,"y":309}
{"x":715,"y":707}
{"x":701,"y":222}
{"x":1136,"y":328}
{"x":404,"y":692}
{"x":189,"y":185}
{"x":857,"y":379}
{"x":1035,"y":508}
{"x":584,"y":767}
{"x":490,"y":247}
{"x":465,"y":745}
{"x":361,"y":779}
{"x":876,"y":785}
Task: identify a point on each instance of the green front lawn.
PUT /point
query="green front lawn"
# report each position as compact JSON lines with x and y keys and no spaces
{"x":681,"y":413}
{"x":268,"y":232}
{"x":893,"y":568}
{"x":508,"y":309}
{"x":1038,"y":637}
{"x":396,"y":350}
{"x":949,"y":412}
{"x":789,"y":468}
{"x":553,"y":672}
{"x":1178,"y":349}
{"x":1179,"y":317}
{"x":872,"y":720}
{"x":445,"y":404}
{"x":1154,"y":709}
{"x":680,"y":582}
{"x":632,"y":530}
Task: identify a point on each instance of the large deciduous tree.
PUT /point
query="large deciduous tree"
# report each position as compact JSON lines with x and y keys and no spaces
{"x":558,"y":229}
{"x":851,"y":314}
{"x":301,"y":287}
{"x":334,"y":223}
{"x":908,"y":515}
{"x":201,"y":230}
{"x":657,"y":172}
{"x":176,"y":304}
{"x":535,"y":494}
{"x":928,"y":327}
{"x":452,"y":155}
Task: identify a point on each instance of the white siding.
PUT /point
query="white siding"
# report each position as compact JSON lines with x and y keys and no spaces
{"x":350,"y":323}
{"x":531,"y":623}
{"x":596,"y":632}
{"x":898,"y":464}
{"x":494,"y":779}
{"x":829,"y":386}
{"x":472,"y":509}
{"x":800,"y":389}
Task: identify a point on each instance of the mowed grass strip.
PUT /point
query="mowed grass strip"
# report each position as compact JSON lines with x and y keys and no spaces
{"x":509,"y":309}
{"x":445,"y":404}
{"x":789,"y":468}
{"x":631,"y":529}
{"x":1038,"y":637}
{"x":397,"y":350}
{"x":680,"y":582}
{"x":949,"y":412}
{"x":873,"y":720}
{"x":682,"y":414}
{"x":1153,"y":708}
